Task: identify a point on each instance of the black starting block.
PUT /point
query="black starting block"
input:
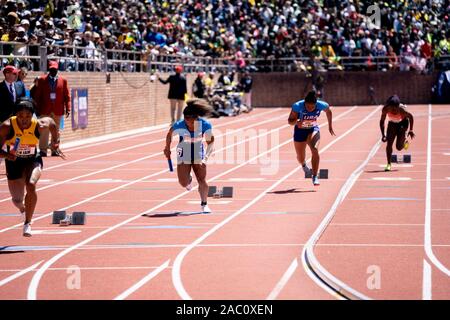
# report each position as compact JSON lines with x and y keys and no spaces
{"x":323,"y":174}
{"x":225,"y":192}
{"x":64,"y":219}
{"x":406,"y":158}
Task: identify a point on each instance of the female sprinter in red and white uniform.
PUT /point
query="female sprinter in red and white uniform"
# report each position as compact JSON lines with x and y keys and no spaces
{"x":399,"y":121}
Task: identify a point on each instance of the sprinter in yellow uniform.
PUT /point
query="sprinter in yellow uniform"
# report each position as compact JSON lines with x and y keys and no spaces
{"x":23,"y":163}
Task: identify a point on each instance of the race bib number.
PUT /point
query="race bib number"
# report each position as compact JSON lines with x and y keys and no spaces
{"x":25,"y":150}
{"x":308,"y":123}
{"x":180,"y":152}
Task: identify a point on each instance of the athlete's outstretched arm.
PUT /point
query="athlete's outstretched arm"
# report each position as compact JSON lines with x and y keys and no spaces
{"x":163,"y":81}
{"x":293,"y":117}
{"x":167,"y":151}
{"x":329,"y":114}
{"x":411,"y":124}
{"x":382,"y":120}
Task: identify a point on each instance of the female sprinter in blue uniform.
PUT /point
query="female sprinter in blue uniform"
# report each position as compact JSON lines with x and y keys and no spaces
{"x":24,"y":164}
{"x":399,"y":121}
{"x":304,"y":116}
{"x":192,"y":130}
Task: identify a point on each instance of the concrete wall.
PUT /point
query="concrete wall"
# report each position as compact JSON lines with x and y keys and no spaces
{"x":342,"y":88}
{"x":132,"y":101}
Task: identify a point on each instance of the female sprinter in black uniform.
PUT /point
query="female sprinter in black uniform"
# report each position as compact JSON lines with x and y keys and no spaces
{"x":24,"y":164}
{"x":399,"y":121}
{"x":304,"y":115}
{"x":190,"y":150}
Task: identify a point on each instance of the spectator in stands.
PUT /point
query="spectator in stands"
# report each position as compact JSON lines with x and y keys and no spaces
{"x":20,"y":84}
{"x":392,"y":58}
{"x":52,"y":97}
{"x":9,"y":92}
{"x":379,"y":52}
{"x":235,"y":30}
{"x":177,"y":92}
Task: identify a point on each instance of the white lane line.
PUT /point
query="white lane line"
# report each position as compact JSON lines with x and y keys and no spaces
{"x":313,"y":267}
{"x":32,"y":289}
{"x":378,"y":224}
{"x":246,"y":179}
{"x":391,"y":179}
{"x":115,"y":268}
{"x":131,"y":182}
{"x":397,"y":165}
{"x":142,"y":282}
{"x":176,"y":269}
{"x":20,"y":273}
{"x":224,"y":245}
{"x":426,"y":282}
{"x":283,"y":281}
{"x":54,"y":231}
{"x":121,"y":150}
{"x":427,"y":241}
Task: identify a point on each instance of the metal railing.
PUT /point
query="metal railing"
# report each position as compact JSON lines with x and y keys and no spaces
{"x":85,"y":59}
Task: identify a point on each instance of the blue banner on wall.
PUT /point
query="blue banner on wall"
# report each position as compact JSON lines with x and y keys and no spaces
{"x":79,"y":108}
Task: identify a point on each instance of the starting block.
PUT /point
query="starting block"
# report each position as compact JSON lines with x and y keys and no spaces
{"x":406,"y":158}
{"x":64,"y":219}
{"x":323,"y":174}
{"x":225,"y":192}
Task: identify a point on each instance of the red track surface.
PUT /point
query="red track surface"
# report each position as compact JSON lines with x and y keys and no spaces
{"x":252,"y":246}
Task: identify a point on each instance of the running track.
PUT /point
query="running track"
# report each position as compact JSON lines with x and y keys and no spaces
{"x":364,"y":233}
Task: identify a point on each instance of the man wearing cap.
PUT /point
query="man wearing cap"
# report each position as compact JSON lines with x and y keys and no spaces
{"x":52,"y":97}
{"x":177,"y":92}
{"x":9,"y":92}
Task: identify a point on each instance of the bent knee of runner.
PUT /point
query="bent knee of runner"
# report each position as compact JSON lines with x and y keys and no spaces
{"x":17,"y":201}
{"x":301,"y":159}
{"x":31,"y":187}
{"x":315,"y":149}
{"x":201,"y":180}
{"x":315,"y":141}
{"x":399,"y":145}
{"x":184,"y":183}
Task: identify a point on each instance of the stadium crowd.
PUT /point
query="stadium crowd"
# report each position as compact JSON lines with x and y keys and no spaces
{"x":410,"y":32}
